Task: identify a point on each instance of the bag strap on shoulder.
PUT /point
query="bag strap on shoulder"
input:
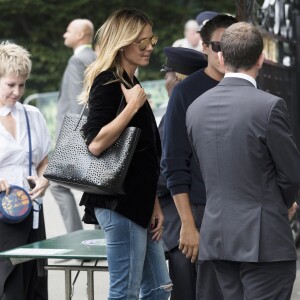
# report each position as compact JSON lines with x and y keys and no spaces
{"x":81,"y":114}
{"x":121,"y":107}
{"x":29,"y":141}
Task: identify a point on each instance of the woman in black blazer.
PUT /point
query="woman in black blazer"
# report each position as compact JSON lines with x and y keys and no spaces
{"x":133,"y":222}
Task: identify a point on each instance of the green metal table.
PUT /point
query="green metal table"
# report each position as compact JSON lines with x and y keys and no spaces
{"x":81,"y":244}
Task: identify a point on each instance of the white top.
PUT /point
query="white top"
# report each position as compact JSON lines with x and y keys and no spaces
{"x":81,"y":47}
{"x":184,"y":43}
{"x":14,"y":153}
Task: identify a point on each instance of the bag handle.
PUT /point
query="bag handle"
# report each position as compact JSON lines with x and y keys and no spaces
{"x":81,"y":114}
{"x":84,"y":106}
{"x":30,"y":154}
{"x":121,"y":107}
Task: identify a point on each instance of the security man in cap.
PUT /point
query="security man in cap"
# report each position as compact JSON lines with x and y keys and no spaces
{"x":180,"y":63}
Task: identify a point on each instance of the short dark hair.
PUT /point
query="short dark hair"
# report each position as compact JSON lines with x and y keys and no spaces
{"x":219,"y":21}
{"x":242,"y":45}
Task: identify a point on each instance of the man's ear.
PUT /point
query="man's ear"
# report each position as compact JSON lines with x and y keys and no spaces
{"x":204,"y":48}
{"x":260,"y":60}
{"x":80,"y":35}
{"x":221,"y":59}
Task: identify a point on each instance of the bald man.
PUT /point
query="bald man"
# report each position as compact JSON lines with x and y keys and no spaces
{"x":78,"y":36}
{"x":191,"y":38}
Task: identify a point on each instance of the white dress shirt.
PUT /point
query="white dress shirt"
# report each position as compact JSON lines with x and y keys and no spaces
{"x":14,"y":153}
{"x":243,"y":76}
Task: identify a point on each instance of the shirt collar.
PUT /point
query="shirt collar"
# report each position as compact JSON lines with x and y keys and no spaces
{"x":81,"y":47}
{"x":5,"y":110}
{"x":243,"y":76}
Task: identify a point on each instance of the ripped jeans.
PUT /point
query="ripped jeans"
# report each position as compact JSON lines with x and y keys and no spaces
{"x":137,"y":265}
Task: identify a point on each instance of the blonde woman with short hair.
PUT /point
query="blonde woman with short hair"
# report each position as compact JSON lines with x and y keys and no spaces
{"x":26,"y":281}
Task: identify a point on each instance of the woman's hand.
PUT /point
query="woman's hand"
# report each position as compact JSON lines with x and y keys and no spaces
{"x":41,"y":184}
{"x":157,"y":220}
{"x":136,"y":96}
{"x":4,"y":186}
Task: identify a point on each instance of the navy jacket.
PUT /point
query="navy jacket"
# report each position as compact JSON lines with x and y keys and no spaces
{"x":178,"y":164}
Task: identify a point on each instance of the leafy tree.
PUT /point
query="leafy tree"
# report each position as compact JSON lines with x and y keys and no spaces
{"x":39,"y":25}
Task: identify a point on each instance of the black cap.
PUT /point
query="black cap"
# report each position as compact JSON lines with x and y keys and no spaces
{"x":205,"y":16}
{"x":183,"y":60}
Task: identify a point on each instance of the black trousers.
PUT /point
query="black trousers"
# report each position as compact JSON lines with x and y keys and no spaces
{"x":183,"y":275}
{"x":208,"y":287}
{"x":26,"y":281}
{"x":25,"y":284}
{"x":259,"y":281}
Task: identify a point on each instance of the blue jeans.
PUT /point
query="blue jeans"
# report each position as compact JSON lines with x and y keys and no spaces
{"x":137,"y":265}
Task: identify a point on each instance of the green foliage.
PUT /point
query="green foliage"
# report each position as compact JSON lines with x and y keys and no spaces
{"x":39,"y":25}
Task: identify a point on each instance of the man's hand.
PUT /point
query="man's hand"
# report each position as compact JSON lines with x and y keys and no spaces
{"x":189,"y":241}
{"x":189,"y":235}
{"x":292,"y":210}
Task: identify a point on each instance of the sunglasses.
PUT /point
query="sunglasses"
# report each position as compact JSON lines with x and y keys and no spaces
{"x":215,"y":46}
{"x":143,"y":44}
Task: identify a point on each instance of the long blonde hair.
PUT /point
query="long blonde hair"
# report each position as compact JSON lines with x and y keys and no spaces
{"x":121,"y":29}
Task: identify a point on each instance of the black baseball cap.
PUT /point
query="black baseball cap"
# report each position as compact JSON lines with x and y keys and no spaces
{"x":205,"y":16}
{"x":183,"y":60}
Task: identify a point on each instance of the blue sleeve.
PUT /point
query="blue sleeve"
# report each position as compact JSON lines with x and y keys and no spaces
{"x":177,"y":151}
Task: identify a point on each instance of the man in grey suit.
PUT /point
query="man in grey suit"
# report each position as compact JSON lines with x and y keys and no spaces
{"x":79,"y":37}
{"x":250,"y":165}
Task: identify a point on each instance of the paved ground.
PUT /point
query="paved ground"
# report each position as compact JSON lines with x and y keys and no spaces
{"x":55,"y":226}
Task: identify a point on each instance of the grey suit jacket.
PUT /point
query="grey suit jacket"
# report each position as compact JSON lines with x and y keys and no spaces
{"x":251,"y":169}
{"x":72,"y":83}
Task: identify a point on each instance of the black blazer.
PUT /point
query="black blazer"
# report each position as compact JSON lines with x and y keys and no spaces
{"x":141,"y":180}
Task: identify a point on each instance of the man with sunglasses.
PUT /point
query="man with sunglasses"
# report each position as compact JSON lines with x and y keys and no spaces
{"x":242,"y":139}
{"x":179,"y":166}
{"x":181,"y":62}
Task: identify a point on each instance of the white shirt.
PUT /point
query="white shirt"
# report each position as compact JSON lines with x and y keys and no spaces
{"x":184,"y":43}
{"x":81,"y":47}
{"x":243,"y":76}
{"x":14,"y":153}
